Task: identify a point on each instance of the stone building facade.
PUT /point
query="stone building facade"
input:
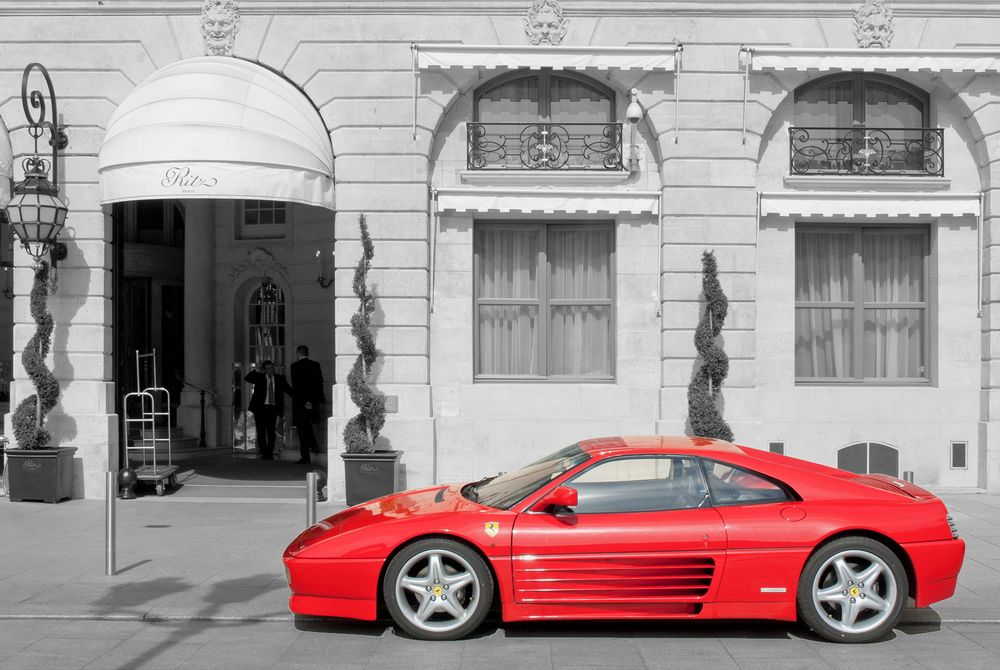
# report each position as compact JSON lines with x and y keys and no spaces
{"x":838,"y":157}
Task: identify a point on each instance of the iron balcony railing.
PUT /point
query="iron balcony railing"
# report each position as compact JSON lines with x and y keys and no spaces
{"x":917,"y":152}
{"x":544,"y":146}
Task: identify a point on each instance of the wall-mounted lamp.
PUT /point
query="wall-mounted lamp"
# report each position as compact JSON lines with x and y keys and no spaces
{"x":633,"y":113}
{"x":35,"y":212}
{"x":321,"y":278}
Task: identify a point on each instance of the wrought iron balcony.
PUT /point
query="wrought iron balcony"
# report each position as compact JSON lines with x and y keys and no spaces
{"x":544,"y":146}
{"x":916,"y":152}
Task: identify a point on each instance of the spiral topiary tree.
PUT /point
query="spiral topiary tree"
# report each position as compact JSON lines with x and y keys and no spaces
{"x":362,"y":430}
{"x":30,"y":413}
{"x":703,"y":391}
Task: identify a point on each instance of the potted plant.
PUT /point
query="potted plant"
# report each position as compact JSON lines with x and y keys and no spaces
{"x":368,"y":473}
{"x":37,"y":469}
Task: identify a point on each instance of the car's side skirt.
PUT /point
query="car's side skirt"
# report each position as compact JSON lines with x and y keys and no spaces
{"x":781,"y":611}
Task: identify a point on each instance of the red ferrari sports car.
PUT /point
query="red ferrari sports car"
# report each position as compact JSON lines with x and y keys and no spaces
{"x":636,"y":527}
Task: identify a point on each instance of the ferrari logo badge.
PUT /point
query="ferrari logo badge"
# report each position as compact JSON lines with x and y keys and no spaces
{"x":492,"y":528}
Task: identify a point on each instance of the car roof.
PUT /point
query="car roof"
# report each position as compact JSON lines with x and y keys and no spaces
{"x":657,"y":444}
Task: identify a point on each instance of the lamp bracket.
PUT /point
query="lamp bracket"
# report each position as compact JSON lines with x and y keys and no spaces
{"x":40,"y":122}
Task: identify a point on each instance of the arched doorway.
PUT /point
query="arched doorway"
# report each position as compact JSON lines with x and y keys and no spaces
{"x":235,"y":164}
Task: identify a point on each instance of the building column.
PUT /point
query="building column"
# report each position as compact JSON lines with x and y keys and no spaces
{"x":199,"y":319}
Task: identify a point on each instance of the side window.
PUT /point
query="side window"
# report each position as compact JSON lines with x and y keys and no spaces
{"x":731,"y":485}
{"x":640,"y":484}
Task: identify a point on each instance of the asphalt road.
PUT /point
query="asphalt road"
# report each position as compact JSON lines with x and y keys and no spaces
{"x":218,"y":645}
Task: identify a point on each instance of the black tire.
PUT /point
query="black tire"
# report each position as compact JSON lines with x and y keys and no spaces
{"x":446,"y":609}
{"x":835,"y":600}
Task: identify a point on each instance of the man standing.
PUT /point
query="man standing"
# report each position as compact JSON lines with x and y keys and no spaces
{"x":307,"y":380}
{"x":267,"y":404}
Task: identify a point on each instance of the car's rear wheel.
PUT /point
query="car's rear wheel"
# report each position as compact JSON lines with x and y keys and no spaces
{"x":438,"y":589}
{"x":853,"y":589}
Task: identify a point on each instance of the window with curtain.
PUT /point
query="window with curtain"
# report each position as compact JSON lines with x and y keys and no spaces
{"x":862,"y":122}
{"x":861,"y":311}
{"x":544,"y":301}
{"x":877,"y":101}
{"x":527,"y":97}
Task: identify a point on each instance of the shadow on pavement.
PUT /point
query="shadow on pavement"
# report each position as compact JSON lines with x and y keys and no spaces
{"x":308,"y":624}
{"x":217,"y":596}
{"x":920,"y":622}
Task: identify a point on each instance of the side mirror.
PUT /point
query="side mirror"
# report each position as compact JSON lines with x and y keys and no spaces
{"x":561,"y":496}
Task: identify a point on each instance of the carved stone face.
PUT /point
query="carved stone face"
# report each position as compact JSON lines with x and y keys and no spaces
{"x":873,"y":25}
{"x":545,"y":25}
{"x":219,"y":26}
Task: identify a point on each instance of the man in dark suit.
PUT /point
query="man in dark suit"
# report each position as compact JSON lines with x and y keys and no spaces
{"x":307,"y":380}
{"x":267,"y":402}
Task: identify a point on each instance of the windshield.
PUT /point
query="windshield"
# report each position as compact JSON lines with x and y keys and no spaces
{"x":510,"y":488}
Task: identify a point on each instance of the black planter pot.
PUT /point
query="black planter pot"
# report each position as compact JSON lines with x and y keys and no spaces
{"x":40,"y":474}
{"x":370,"y":476}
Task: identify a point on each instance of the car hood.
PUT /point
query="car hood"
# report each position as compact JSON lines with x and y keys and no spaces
{"x":392,"y":508}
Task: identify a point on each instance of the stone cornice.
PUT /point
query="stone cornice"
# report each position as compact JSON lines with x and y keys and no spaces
{"x":578,"y":8}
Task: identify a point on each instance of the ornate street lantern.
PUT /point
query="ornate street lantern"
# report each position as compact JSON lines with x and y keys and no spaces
{"x":35,"y":212}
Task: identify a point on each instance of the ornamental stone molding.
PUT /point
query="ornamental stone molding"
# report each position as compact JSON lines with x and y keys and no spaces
{"x":545,"y":23}
{"x":220,"y":21}
{"x":873,"y":25}
{"x":258,"y":261}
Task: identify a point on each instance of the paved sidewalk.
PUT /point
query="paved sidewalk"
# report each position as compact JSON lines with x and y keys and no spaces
{"x":205,"y":560}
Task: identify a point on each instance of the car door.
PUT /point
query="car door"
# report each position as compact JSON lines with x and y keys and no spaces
{"x":768,"y":535}
{"x":642,"y":532}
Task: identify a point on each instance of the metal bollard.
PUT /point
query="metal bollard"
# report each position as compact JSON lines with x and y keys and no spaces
{"x":908,"y":476}
{"x":111,"y":498}
{"x":310,"y":498}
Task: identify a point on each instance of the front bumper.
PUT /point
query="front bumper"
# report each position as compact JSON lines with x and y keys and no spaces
{"x":347,"y":588}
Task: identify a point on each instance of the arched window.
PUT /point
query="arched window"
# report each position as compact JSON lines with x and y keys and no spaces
{"x":868,"y":458}
{"x":864,"y":123}
{"x":544,"y":96}
{"x":266,"y":324}
{"x":544,"y":120}
{"x":844,"y":100}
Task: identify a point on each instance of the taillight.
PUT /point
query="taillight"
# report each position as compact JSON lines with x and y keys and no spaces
{"x":954,"y":528}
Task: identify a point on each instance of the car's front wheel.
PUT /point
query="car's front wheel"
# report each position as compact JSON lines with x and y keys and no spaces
{"x":852,"y":590}
{"x":438,"y":589}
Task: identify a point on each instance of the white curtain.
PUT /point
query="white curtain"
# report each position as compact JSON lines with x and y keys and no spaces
{"x":829,"y":106}
{"x":824,"y":272}
{"x":579,"y":271}
{"x":579,"y":322}
{"x":508,"y":270}
{"x":894,"y":304}
{"x":894,"y":273}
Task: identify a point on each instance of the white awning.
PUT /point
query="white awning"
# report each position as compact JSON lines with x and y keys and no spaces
{"x":217,"y":127}
{"x":873,"y":59}
{"x":491,"y":56}
{"x":546,"y":201}
{"x":850,"y":204}
{"x":6,"y":165}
